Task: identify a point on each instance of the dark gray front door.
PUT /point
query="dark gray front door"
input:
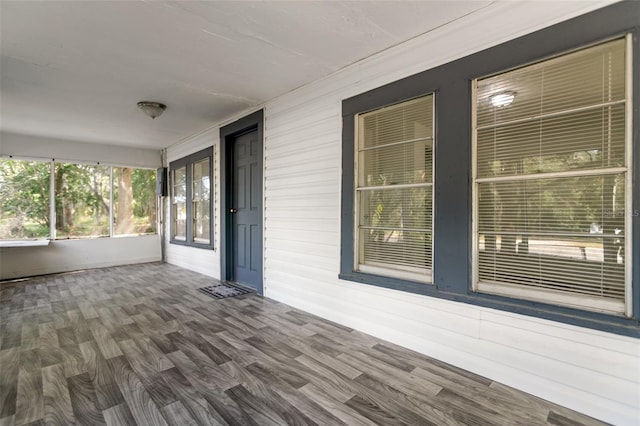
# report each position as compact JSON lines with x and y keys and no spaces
{"x":247,"y":210}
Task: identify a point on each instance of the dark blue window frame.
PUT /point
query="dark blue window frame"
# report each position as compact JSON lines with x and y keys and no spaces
{"x":187,"y":162}
{"x":452,"y":251}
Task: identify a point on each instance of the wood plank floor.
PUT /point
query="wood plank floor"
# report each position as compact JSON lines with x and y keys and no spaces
{"x":140,"y":345}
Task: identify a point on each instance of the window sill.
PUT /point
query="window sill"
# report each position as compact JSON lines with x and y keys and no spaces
{"x":388,"y":282}
{"x":24,"y":243}
{"x":192,"y":244}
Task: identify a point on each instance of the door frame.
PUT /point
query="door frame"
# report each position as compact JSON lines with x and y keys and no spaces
{"x":228,"y":134}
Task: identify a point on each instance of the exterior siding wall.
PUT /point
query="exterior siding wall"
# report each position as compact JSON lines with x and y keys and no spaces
{"x":204,"y":261}
{"x":594,"y":372}
{"x":590,"y":371}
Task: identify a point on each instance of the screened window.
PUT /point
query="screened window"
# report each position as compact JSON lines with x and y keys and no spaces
{"x":77,"y":204}
{"x":82,"y":198}
{"x":552,"y":180}
{"x":24,"y":195}
{"x":191,"y":195}
{"x":134,"y":199}
{"x":394,"y":194}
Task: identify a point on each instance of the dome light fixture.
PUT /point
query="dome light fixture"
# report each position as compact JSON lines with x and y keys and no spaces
{"x":152,"y":109}
{"x":502,"y":99}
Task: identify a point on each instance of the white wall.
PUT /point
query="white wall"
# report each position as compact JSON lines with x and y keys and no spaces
{"x":593,"y":372}
{"x":71,"y":255}
{"x":38,"y":147}
{"x":205,"y":261}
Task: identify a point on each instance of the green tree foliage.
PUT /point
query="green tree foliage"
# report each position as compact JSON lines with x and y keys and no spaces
{"x":135,"y":201}
{"x":82,"y":196}
{"x":143,"y":184}
{"x":82,"y":200}
{"x":24,"y":194}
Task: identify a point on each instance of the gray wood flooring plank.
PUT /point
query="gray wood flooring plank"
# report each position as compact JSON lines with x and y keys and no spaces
{"x":332,"y":382}
{"x":415,"y":409}
{"x":335,"y":407}
{"x":29,"y":399}
{"x":374,"y":412}
{"x":10,"y":362}
{"x":48,"y":335}
{"x":403,"y":381}
{"x":139,"y":344}
{"x":107,"y":391}
{"x":119,"y":415}
{"x":73,"y":361}
{"x":142,"y":407}
{"x":264,"y":392}
{"x":176,"y":414}
{"x":192,"y":400}
{"x":11,"y":335}
{"x":308,"y":407}
{"x":57,"y":401}
{"x":106,"y":343}
{"x":84,"y":400}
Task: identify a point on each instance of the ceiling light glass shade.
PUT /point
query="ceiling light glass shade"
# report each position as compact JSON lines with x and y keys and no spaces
{"x":152,"y":109}
{"x":502,"y":99}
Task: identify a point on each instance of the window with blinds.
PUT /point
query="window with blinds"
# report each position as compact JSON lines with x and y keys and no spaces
{"x":394,"y":194}
{"x":552,"y":180}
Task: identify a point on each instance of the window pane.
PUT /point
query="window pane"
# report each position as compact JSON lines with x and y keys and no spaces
{"x":82,"y":200}
{"x":396,"y":208}
{"x":24,"y":193}
{"x":582,"y":140}
{"x":581,"y":79}
{"x":579,"y":204}
{"x":396,"y":228}
{"x":395,"y":150}
{"x":563,"y":234}
{"x":403,"y":122}
{"x":398,"y":164}
{"x":589,"y":265}
{"x":201,"y":194}
{"x":134,"y":201}
{"x":179,"y":203}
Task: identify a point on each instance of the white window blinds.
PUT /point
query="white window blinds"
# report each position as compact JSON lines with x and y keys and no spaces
{"x":394,"y":197}
{"x":551,"y":172}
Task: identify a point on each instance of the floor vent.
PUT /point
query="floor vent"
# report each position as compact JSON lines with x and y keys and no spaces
{"x":222,"y":291}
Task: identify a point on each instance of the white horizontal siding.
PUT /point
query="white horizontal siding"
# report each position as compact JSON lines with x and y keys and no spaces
{"x":204,"y":261}
{"x":593,"y":372}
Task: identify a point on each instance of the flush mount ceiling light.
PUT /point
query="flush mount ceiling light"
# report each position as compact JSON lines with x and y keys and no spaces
{"x":152,"y":109}
{"x":502,"y":99}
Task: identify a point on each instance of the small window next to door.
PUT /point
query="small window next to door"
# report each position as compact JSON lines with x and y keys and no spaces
{"x":191,"y":200}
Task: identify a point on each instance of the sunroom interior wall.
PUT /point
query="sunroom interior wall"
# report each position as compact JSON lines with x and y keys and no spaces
{"x":591,"y":371}
{"x":81,"y":253}
{"x":205,"y":261}
{"x":39,"y":147}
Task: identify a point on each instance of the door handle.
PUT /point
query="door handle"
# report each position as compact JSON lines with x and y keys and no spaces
{"x":232,"y":210}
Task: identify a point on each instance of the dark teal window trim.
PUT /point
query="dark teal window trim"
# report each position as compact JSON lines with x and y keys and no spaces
{"x":187,"y":162}
{"x":452,"y":250}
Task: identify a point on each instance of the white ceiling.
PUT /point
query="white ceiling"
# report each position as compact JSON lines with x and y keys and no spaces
{"x":75,"y":70}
